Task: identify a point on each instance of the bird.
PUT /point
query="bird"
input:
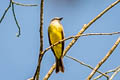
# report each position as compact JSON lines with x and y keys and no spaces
{"x":55,"y":34}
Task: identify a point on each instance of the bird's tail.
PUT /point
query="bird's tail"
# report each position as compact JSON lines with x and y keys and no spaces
{"x":59,"y":65}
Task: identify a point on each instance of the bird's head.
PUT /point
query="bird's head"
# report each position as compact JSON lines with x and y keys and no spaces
{"x":57,"y":18}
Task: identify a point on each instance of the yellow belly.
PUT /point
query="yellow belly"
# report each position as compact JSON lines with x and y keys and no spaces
{"x":55,"y":35}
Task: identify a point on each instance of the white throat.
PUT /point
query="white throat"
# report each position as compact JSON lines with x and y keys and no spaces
{"x":55,"y":22}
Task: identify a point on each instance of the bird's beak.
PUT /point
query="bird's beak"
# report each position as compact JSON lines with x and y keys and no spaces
{"x":61,"y":18}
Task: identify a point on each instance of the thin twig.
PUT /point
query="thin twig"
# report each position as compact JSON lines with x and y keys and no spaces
{"x":82,"y":63}
{"x":12,"y":3}
{"x":36,"y":75}
{"x":5,"y":11}
{"x":21,"y":4}
{"x":113,"y":70}
{"x":87,"y":34}
{"x":92,"y":34}
{"x":85,"y":28}
{"x":114,"y":74}
{"x":18,"y":26}
{"x":104,"y":59}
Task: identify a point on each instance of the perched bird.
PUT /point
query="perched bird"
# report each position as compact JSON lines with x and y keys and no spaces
{"x":55,"y":34}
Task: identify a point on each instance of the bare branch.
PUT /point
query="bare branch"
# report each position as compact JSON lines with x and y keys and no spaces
{"x":20,"y":4}
{"x":92,"y":34}
{"x":5,"y":11}
{"x":18,"y":26}
{"x":114,"y":74}
{"x":36,"y":75}
{"x":82,"y":63}
{"x":107,"y":73}
{"x":12,"y":3}
{"x":104,"y":59}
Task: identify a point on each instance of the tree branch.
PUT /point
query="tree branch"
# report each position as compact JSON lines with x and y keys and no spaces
{"x":12,"y":3}
{"x":5,"y":11}
{"x":24,"y":4}
{"x":114,"y":74}
{"x":82,"y":63}
{"x":92,"y":34}
{"x":113,"y":70}
{"x":36,"y":75}
{"x":104,"y":59}
{"x":21,"y":4}
{"x":18,"y":26}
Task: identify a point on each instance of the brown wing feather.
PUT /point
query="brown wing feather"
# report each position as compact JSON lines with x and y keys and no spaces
{"x":50,"y":42}
{"x":63,"y":41}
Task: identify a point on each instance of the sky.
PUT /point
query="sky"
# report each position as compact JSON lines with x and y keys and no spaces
{"x":19,"y":56}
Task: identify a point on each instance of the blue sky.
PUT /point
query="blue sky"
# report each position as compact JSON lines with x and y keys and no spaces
{"x":18,"y":56}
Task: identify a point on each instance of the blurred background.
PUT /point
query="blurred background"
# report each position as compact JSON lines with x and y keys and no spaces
{"x":19,"y":56}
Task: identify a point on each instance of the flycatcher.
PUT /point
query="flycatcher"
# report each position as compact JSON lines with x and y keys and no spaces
{"x":55,"y":34}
